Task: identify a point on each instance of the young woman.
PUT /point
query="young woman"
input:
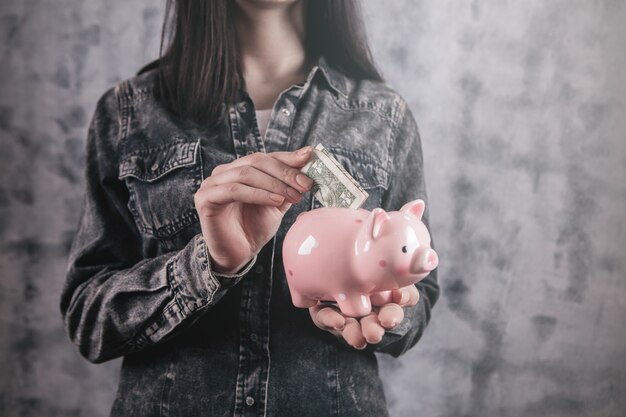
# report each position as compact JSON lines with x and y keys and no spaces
{"x":193,"y":178}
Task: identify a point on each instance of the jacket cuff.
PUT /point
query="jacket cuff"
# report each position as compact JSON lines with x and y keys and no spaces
{"x":193,"y":283}
{"x":189,"y":277}
{"x":226,"y":280}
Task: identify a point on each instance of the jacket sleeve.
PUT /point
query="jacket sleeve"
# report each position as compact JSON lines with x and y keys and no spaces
{"x":407,"y":184}
{"x":115,"y":302}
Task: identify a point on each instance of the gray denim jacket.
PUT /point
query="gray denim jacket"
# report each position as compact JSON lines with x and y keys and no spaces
{"x":139,"y":283}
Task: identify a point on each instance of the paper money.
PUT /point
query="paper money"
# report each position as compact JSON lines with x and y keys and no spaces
{"x":333,"y":186}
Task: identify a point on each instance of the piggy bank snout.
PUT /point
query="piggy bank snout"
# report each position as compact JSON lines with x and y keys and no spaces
{"x":424,"y":261}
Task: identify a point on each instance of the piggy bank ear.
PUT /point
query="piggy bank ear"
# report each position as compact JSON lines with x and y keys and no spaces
{"x":378,"y":217}
{"x":415,"y":207}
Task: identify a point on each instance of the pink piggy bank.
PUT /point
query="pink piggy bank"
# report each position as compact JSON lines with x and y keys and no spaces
{"x":347,"y":255}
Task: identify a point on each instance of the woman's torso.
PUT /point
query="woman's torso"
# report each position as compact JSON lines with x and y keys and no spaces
{"x":253,"y":352}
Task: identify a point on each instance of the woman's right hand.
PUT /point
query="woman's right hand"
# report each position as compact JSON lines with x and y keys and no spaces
{"x":242,"y":203}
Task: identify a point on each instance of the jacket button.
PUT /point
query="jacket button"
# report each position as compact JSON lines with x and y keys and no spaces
{"x":254,"y":337}
{"x":250,"y":401}
{"x":241,"y":107}
{"x":258,"y":269}
{"x":154,"y":167}
{"x":286,"y":112}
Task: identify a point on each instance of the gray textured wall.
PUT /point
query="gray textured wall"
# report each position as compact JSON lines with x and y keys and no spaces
{"x":522,"y":110}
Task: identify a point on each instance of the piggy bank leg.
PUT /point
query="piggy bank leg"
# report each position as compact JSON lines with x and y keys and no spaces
{"x":354,"y":305}
{"x":302,"y":301}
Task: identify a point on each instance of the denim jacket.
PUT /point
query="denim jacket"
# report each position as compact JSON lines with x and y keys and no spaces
{"x":139,"y":283}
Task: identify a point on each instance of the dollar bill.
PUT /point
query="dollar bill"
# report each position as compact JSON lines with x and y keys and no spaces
{"x":333,"y":186}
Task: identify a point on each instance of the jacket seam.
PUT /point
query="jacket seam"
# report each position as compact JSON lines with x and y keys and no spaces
{"x":293,"y":119}
{"x":335,"y":353}
{"x":360,"y":158}
{"x":394,"y":131}
{"x":124,"y":95}
{"x":164,"y":406}
{"x":356,"y":105}
{"x":141,"y":94}
{"x":235,"y":132}
{"x":175,"y":141}
{"x":132,"y":169}
{"x":269,"y":355}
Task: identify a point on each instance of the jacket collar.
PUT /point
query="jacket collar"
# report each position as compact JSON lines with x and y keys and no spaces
{"x":335,"y":78}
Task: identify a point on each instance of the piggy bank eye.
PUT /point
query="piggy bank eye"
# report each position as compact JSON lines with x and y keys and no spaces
{"x":404,"y":249}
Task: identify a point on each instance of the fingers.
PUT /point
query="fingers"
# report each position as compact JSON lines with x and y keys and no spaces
{"x":381,"y":298}
{"x":390,"y":315}
{"x":283,"y":166}
{"x":258,"y":178}
{"x":330,"y":319}
{"x":353,"y":335}
{"x":296,"y":159}
{"x":391,"y":303}
{"x":326,"y":317}
{"x":409,"y":296}
{"x":228,"y":193}
{"x":405,"y":297}
{"x":255,"y":178}
{"x":371,"y":328}
{"x":372,"y":331}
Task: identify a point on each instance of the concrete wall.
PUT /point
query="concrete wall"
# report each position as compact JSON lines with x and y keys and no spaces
{"x":522,"y":110}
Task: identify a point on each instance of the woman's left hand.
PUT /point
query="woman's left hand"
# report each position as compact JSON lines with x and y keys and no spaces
{"x":358,"y":332}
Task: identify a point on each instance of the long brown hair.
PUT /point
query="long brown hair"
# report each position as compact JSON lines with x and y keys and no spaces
{"x":199,"y":69}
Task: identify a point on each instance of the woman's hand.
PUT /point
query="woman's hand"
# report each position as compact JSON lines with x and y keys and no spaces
{"x":371,"y":328}
{"x":242,"y":203}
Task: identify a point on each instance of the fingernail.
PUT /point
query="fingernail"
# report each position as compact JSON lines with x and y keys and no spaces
{"x":293,"y":194}
{"x":361,"y":347}
{"x":277,"y":198}
{"x":304,"y":151}
{"x":338,"y":328}
{"x":304,"y":181}
{"x":404,"y":298}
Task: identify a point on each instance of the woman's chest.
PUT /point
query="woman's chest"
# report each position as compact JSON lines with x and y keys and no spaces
{"x":163,"y":168}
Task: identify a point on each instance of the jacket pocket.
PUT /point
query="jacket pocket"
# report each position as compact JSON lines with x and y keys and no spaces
{"x":161,"y":182}
{"x":369,"y":172}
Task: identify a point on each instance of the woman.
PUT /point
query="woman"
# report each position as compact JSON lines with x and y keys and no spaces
{"x":176,"y":265}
